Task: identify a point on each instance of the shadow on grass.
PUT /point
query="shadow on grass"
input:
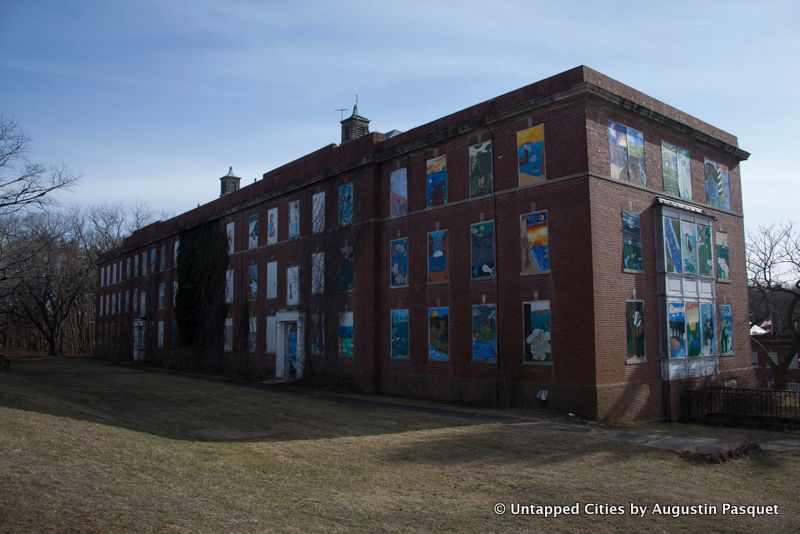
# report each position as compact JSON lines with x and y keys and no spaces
{"x":503,"y":445}
{"x":185,"y":408}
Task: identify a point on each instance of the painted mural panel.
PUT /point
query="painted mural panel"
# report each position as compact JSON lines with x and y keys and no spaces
{"x":398,"y":193}
{"x":669,"y":168}
{"x":694,"y":342}
{"x":438,"y":270}
{"x":252,"y":231}
{"x":536,"y":325}
{"x":481,"y":179}
{"x":481,"y":237}
{"x":293,"y":285}
{"x":294,"y":219}
{"x":725,"y":328}
{"x":436,"y":172}
{"x":346,"y":268}
{"x":439,"y":334}
{"x":684,"y":173}
{"x":709,"y":329}
{"x":272,"y":226}
{"x":705,"y":261}
{"x":618,"y":151}
{"x":634,"y":314}
{"x":484,"y":333}
{"x":672,"y":246}
{"x":530,"y":155}
{"x":689,"y":247}
{"x":346,"y":334}
{"x":346,"y":204}
{"x":535,"y":242}
{"x":723,"y":263}
{"x":636,"y":165}
{"x":318,"y":212}
{"x":398,"y":262}
{"x":318,"y":273}
{"x":229,"y":233}
{"x":718,"y":186}
{"x":631,"y":242}
{"x":676,"y":314}
{"x":252,"y":333}
{"x":252,"y":282}
{"x":400,"y":335}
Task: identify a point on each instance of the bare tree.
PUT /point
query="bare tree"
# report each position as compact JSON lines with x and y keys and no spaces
{"x":773,"y":270}
{"x":54,"y":279}
{"x":25,"y":184}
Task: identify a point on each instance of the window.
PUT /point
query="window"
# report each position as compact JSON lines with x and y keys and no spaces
{"x":687,"y":245}
{"x":439,"y":334}
{"x":136,"y":265}
{"x":346,"y":268}
{"x":631,"y":242}
{"x":346,"y":204}
{"x":252,"y":234}
{"x":230,"y":233}
{"x":400,"y":334}
{"x":436,"y":173}
{"x":292,"y":285}
{"x":318,"y":213}
{"x":160,"y":334}
{"x":530,"y":156}
{"x":163,"y":258}
{"x":228,"y":335}
{"x":162,"y":296}
{"x":634,"y":330}
{"x":718,"y":185}
{"x":536,"y":325}
{"x":626,"y":154}
{"x":398,"y":262}
{"x":294,"y":219}
{"x":272,"y":226}
{"x":481,"y":239}
{"x":176,"y":247}
{"x":318,"y":273}
{"x":272,"y":280}
{"x":229,"y":286}
{"x":398,"y":192}
{"x":153,"y":254}
{"x":438,"y":269}
{"x":676,"y":170}
{"x":346,"y":334}
{"x":481,"y":179}
{"x":252,"y":282}
{"x":252,"y":334}
{"x":535,"y":242}
{"x":484,"y":333}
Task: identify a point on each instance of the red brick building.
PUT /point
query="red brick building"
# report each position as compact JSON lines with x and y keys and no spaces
{"x":573,"y":242}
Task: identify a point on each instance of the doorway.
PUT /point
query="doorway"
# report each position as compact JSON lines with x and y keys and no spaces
{"x":290,"y":350}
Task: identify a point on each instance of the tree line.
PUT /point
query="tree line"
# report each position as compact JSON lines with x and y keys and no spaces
{"x":48,"y":252}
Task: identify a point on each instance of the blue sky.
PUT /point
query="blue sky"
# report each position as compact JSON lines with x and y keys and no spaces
{"x":153,"y":100}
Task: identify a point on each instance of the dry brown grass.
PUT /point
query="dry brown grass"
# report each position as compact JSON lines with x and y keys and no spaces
{"x":90,"y":447}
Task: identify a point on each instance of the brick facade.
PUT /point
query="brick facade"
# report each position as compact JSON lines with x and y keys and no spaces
{"x":585,"y":285}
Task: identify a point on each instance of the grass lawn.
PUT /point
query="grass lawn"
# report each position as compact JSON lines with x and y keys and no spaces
{"x":98,"y":448}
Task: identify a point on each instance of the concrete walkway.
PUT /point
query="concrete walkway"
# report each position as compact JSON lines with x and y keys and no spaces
{"x":676,"y":443}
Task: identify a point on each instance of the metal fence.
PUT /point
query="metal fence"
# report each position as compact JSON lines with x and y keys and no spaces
{"x":734,"y":405}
